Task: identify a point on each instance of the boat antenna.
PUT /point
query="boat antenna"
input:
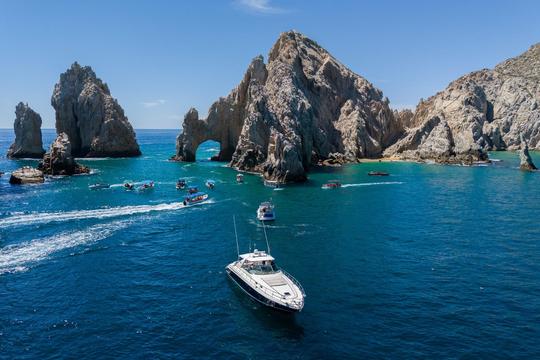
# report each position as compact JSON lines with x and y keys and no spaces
{"x":266,"y":237}
{"x":236,"y":236}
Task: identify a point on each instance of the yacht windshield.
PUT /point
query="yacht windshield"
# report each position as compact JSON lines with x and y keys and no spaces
{"x":261,"y":268}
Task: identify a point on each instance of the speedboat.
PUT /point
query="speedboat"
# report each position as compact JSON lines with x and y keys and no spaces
{"x":192,"y":190}
{"x":240,"y":178}
{"x":266,"y":212}
{"x":378,"y":173}
{"x":210,"y":184}
{"x":146,"y":185}
{"x":272,"y":184}
{"x":99,"y":186}
{"x":257,"y":274}
{"x":332,"y":184}
{"x":129,"y":185}
{"x":181,"y":184}
{"x":195,"y":198}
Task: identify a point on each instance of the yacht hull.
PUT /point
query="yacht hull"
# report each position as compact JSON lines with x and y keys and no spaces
{"x":255,"y":295}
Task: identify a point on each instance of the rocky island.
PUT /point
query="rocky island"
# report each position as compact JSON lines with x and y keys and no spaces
{"x":91,"y":118}
{"x":27,"y":126}
{"x":482,"y":111}
{"x":301,"y":108}
{"x":59,"y":160}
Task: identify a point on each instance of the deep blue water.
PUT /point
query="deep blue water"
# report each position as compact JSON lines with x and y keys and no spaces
{"x":431,"y":262}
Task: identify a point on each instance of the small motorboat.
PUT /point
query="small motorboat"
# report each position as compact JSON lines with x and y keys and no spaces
{"x":211,"y":184}
{"x":195,"y":198}
{"x":146,"y":185}
{"x":192,"y":190}
{"x":129,"y":186}
{"x":257,"y":274}
{"x":266,"y":212}
{"x":378,"y":173}
{"x":181,"y":184}
{"x":240,"y":178}
{"x":272,"y":184}
{"x":332,"y":184}
{"x":99,"y":186}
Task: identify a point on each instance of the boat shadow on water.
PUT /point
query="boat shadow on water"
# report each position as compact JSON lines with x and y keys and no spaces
{"x":283,"y":323}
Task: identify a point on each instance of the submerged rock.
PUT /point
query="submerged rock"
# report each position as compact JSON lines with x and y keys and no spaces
{"x":301,"y":108}
{"x":93,"y":120}
{"x":525,"y":161}
{"x":59,"y":159}
{"x":484,"y":110}
{"x":27,"y":126}
{"x":26,"y":175}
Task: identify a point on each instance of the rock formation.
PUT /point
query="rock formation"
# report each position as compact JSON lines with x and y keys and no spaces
{"x":481,"y":111}
{"x":59,"y":159}
{"x":93,"y":120}
{"x":27,"y":126}
{"x":26,"y":175}
{"x":296,"y":110}
{"x":525,"y":161}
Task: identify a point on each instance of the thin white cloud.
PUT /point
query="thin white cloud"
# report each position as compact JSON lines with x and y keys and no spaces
{"x":154,"y":103}
{"x":260,"y":6}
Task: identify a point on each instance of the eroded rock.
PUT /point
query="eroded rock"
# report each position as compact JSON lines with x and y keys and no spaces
{"x":93,"y":120}
{"x":59,"y":160}
{"x":525,"y":161}
{"x":26,"y":175}
{"x":27,"y":126}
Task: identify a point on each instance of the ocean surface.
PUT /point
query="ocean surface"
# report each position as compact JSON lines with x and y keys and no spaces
{"x":430,"y":262}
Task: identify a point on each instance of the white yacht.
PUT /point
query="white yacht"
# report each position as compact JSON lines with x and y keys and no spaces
{"x":258,"y":276}
{"x":266,"y":212}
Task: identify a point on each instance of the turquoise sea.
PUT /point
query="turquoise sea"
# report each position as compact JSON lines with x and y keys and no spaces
{"x":431,"y":262}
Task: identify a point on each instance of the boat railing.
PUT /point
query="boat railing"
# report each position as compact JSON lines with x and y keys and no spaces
{"x":296,"y":282}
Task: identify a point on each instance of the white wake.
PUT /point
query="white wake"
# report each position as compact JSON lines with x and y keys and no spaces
{"x":15,"y":258}
{"x":373,"y":184}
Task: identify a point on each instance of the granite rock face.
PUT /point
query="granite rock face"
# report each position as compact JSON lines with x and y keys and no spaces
{"x":482,"y":111}
{"x":27,"y":126}
{"x":26,"y":175}
{"x":299,"y":109}
{"x":59,"y":160}
{"x":93,"y":120}
{"x":525,"y":161}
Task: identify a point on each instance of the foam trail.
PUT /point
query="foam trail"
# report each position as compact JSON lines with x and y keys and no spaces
{"x":43,"y":218}
{"x":15,"y":258}
{"x":373,"y":183}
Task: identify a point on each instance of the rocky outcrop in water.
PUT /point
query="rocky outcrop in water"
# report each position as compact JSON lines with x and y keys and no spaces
{"x":481,"y":111}
{"x":26,"y":175}
{"x":59,"y":160}
{"x":525,"y":161}
{"x":295,"y":111}
{"x":93,"y":120}
{"x":27,"y":126}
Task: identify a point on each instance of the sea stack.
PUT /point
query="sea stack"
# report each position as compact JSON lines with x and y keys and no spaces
{"x":299,"y":109}
{"x":26,"y":175}
{"x":92,"y":119}
{"x":59,"y":160}
{"x":27,"y":126}
{"x":525,"y":161}
{"x":484,"y":110}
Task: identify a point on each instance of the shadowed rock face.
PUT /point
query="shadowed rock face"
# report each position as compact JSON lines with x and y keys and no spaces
{"x":59,"y":159}
{"x":93,"y":120}
{"x":27,"y":126}
{"x":293,"y":112}
{"x":481,"y":111}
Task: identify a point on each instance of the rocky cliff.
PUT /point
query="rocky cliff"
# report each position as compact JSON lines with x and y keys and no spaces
{"x":481,"y":111}
{"x":300,"y":108}
{"x":59,"y":160}
{"x":27,"y":126}
{"x":93,"y":120}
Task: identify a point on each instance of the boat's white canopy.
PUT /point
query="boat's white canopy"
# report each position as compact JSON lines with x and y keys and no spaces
{"x":257,"y":256}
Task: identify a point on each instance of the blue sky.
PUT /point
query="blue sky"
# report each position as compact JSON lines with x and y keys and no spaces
{"x":162,"y":57}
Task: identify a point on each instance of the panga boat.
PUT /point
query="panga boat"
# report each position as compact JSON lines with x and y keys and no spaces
{"x":210,"y":184}
{"x":146,"y":185}
{"x":257,"y":274}
{"x":181,"y":184}
{"x":195,"y":198}
{"x":99,"y":186}
{"x":332,"y":184}
{"x":192,"y":190}
{"x":378,"y":173}
{"x":266,"y":212}
{"x":240,"y":178}
{"x":129,"y":185}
